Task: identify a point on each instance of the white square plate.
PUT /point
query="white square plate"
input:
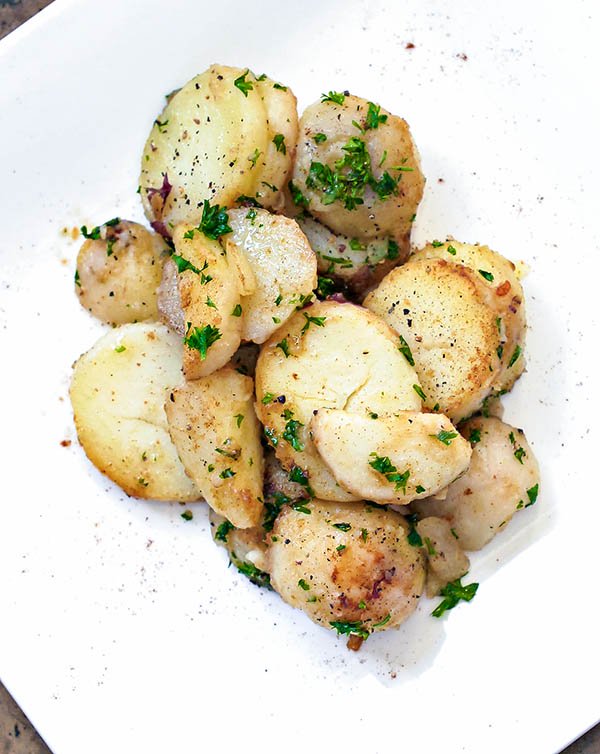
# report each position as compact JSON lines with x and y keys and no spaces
{"x":122,"y":630}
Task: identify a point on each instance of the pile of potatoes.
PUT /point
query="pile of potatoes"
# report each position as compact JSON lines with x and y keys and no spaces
{"x":278,"y":350}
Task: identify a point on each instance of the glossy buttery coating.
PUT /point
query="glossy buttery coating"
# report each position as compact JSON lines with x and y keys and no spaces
{"x":118,"y":273}
{"x":118,"y":391}
{"x":503,"y":477}
{"x":214,"y":140}
{"x":216,"y":433}
{"x":440,"y":310}
{"x":346,"y":562}
{"x":328,"y":355}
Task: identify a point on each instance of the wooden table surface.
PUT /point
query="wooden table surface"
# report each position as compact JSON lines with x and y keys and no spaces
{"x":17,"y":735}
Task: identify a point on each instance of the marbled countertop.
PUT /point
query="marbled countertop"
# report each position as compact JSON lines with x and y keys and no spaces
{"x":17,"y":735}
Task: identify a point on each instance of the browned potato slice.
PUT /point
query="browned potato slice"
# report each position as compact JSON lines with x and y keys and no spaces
{"x":275,"y":166}
{"x":119,"y":267}
{"x":216,"y":139}
{"x":446,"y":560}
{"x":118,"y":390}
{"x":216,"y":433}
{"x":363,"y":182}
{"x":505,"y":297}
{"x":202,"y":146}
{"x":390,"y":459}
{"x":359,"y":265}
{"x":440,"y":310}
{"x":503,"y":477}
{"x":283,"y":265}
{"x":200,"y":298}
{"x":346,"y":565}
{"x":329,"y":355}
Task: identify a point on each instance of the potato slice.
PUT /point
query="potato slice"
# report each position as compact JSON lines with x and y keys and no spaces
{"x":446,"y":560}
{"x":505,"y":297}
{"x":390,"y":459}
{"x":364,"y":182}
{"x":439,"y":308}
{"x":199,"y":298}
{"x":503,"y":477}
{"x":214,"y":427}
{"x":218,"y":138}
{"x":358,"y":265}
{"x":203,"y":145}
{"x":348,"y":566}
{"x":329,"y":355}
{"x":275,"y":166}
{"x":118,"y":390}
{"x":119,"y":268}
{"x":283,"y":264}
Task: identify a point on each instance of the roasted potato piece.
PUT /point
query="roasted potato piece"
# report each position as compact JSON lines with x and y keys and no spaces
{"x":329,"y":355}
{"x":275,"y":165}
{"x":118,"y":390}
{"x":246,"y":547}
{"x":119,"y":268}
{"x":390,"y":459}
{"x":503,"y":477}
{"x":214,"y":140}
{"x":440,"y":310}
{"x":348,"y":566}
{"x":216,"y":433}
{"x":283,"y":264}
{"x":363,"y":182}
{"x":199,"y":297}
{"x":355,"y":264}
{"x":446,"y":560}
{"x":505,"y":297}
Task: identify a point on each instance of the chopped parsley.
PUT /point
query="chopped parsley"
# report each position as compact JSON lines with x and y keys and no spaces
{"x":325,"y":286}
{"x":267,"y":398}
{"x":337,"y":97}
{"x":226,"y":474}
{"x":354,"y":627}
{"x":393,"y":251}
{"x":77,"y":280}
{"x":451,"y":250}
{"x":532,"y":494}
{"x":444,"y":436}
{"x":273,"y":508}
{"x":475,"y":436}
{"x":413,"y":536}
{"x":271,"y":436}
{"x":290,"y":435}
{"x":243,"y":85}
{"x":373,"y":118}
{"x":214,"y":222}
{"x":303,"y":585}
{"x":300,"y":477}
{"x":201,"y":338}
{"x":251,"y":572}
{"x":453,"y":593}
{"x":518,"y":451}
{"x":283,"y":344}
{"x":419,"y":391}
{"x":120,"y":349}
{"x":319,"y":138}
{"x":297,"y":196}
{"x":384,"y":466}
{"x":187,"y":515}
{"x":254,"y":156}
{"x":184,"y":264}
{"x":515,"y":356}
{"x":318,"y":321}
{"x":223,"y":530}
{"x":404,"y":349}
{"x":279,"y":141}
{"x":342,"y":526}
{"x":237,"y":311}
{"x":486,"y":275}
{"x":239,"y":418}
{"x":383,"y":622}
{"x":209,"y":302}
